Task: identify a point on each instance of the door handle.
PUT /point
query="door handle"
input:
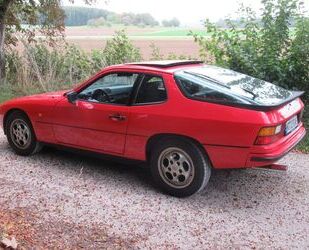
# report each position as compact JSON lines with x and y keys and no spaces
{"x":117,"y":117}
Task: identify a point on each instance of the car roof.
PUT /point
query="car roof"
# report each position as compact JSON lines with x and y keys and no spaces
{"x":169,"y":66}
{"x":166,"y":63}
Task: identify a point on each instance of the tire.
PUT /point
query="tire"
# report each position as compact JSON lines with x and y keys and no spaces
{"x":179,"y":167}
{"x":20,"y":134}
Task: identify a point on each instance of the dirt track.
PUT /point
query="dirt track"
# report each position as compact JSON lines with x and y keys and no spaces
{"x":63,"y":200}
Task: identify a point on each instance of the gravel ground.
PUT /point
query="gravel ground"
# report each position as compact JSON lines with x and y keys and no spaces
{"x":60,"y":199}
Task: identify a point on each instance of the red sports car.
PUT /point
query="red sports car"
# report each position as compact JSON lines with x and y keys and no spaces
{"x":183,"y":117}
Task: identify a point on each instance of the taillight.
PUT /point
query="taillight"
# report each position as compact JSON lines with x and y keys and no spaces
{"x":268,"y":135}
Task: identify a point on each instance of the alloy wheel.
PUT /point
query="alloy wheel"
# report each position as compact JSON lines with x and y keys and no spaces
{"x":176,"y":167}
{"x":20,"y":133}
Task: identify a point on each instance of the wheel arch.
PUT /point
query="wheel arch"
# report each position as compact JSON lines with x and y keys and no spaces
{"x":156,"y":138}
{"x":7,"y":114}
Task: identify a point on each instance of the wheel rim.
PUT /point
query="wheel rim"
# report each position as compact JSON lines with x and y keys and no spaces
{"x":176,"y":167}
{"x":20,"y":133}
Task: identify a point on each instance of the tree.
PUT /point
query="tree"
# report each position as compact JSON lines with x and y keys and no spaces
{"x":26,"y":17}
{"x":145,"y":19}
{"x":5,"y":5}
{"x":171,"y":23}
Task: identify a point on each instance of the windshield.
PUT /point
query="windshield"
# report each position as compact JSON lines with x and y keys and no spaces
{"x":211,"y":83}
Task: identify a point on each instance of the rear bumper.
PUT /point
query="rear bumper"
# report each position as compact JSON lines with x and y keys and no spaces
{"x":263,"y":156}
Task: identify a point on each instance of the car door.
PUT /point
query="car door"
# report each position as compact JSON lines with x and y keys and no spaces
{"x":148,"y":114}
{"x":98,"y":119}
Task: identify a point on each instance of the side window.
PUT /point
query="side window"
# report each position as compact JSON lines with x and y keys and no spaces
{"x":151,"y":90}
{"x":113,"y":88}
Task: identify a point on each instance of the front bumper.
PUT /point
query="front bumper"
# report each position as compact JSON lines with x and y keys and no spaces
{"x":266,"y":155}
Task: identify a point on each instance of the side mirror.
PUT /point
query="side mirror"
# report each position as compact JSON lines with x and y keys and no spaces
{"x":72,"y":97}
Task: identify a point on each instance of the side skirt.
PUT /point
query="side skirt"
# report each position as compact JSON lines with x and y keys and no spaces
{"x":97,"y":155}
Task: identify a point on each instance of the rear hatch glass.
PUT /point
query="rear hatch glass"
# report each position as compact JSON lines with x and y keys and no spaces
{"x":215,"y":84}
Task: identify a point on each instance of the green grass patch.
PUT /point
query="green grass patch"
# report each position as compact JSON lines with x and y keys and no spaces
{"x":173,"y":32}
{"x":6,"y":93}
{"x":158,"y":31}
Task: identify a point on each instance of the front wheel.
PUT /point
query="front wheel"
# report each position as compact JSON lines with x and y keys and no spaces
{"x":179,"y":167}
{"x":20,"y":134}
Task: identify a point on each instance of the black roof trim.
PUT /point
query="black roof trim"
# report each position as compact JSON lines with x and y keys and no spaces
{"x":166,"y":63}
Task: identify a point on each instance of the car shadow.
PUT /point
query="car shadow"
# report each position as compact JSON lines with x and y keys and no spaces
{"x":226,"y":189}
{"x":94,"y":165}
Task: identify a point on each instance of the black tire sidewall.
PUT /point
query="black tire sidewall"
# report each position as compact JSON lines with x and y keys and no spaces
{"x":33,"y":144}
{"x":201,"y":166}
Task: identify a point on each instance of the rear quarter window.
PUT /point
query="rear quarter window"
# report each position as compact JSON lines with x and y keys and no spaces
{"x":235,"y":86}
{"x":201,"y":89}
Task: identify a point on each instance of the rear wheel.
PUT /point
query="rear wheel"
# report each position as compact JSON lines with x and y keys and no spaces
{"x":179,"y":167}
{"x":20,"y":134}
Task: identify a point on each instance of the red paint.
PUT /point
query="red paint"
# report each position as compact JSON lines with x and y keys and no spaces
{"x":227,"y":134}
{"x":88,"y":125}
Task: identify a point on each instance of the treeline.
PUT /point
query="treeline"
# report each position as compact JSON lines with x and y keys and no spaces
{"x":126,"y":19}
{"x":226,"y":23}
{"x":174,"y":22}
{"x":78,"y":16}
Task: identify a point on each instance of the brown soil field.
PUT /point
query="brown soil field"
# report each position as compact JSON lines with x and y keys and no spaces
{"x":89,"y":38}
{"x":177,"y":46}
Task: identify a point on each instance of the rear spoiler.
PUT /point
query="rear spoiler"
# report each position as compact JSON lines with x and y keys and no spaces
{"x":296,"y":94}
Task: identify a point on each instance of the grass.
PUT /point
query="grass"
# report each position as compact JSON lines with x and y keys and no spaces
{"x":6,"y":93}
{"x":180,"y":32}
{"x":174,"y":32}
{"x":157,"y":31}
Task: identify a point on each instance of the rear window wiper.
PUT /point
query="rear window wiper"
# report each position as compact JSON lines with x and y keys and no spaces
{"x":250,"y":92}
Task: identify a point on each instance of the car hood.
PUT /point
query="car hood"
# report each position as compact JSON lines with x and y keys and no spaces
{"x":48,"y":99}
{"x":45,"y":96}
{"x":49,"y":95}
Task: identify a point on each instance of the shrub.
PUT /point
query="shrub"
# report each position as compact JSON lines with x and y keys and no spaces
{"x":40,"y":67}
{"x":155,"y":52}
{"x":120,"y":50}
{"x":265,"y":48}
{"x":156,"y":55}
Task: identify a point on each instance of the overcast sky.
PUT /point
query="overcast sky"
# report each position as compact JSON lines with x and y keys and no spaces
{"x":187,"y":11}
